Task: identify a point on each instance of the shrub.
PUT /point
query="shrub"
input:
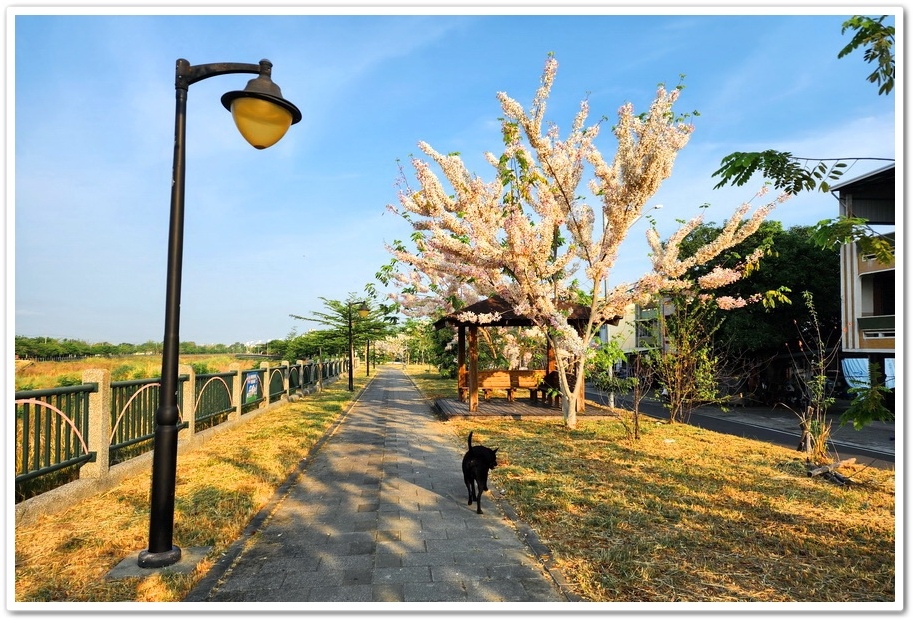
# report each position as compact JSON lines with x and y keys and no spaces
{"x":121,"y":373}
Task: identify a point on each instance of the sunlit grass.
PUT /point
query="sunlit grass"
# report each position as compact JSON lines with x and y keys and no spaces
{"x":683,"y":514}
{"x":49,"y":374}
{"x":686,"y":514}
{"x":220,"y":486}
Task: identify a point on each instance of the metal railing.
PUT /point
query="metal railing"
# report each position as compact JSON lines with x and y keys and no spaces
{"x":133,"y":416}
{"x":60,"y":431}
{"x":277,"y":384}
{"x":213,"y":399}
{"x":52,"y":427}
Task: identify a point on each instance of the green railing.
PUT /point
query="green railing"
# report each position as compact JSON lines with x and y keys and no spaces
{"x":133,"y":416}
{"x":295,"y":378}
{"x":213,"y":399}
{"x":52,"y":429}
{"x":276,"y":384}
{"x":59,"y":431}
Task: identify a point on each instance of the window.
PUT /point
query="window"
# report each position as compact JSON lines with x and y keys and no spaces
{"x":878,"y":293}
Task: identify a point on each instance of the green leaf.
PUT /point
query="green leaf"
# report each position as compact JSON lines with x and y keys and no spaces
{"x":878,"y":41}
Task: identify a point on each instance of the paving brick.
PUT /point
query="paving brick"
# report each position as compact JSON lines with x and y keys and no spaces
{"x":434,"y":591}
{"x":380,"y":514}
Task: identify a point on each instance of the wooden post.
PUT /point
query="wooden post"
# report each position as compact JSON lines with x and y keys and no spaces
{"x":462,"y":364}
{"x":581,"y":402}
{"x":472,"y":369}
{"x":551,"y":358}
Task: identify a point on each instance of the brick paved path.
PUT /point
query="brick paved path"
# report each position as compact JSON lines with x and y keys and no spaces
{"x":380,"y":514}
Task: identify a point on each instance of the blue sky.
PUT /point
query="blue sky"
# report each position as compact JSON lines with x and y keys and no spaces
{"x":267,"y":233}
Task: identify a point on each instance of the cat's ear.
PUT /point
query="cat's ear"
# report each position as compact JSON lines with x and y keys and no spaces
{"x":495,"y":449}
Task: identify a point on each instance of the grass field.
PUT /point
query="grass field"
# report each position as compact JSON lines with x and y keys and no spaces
{"x":49,"y":374}
{"x":685,"y":514}
{"x":681,"y":515}
{"x":64,"y":557}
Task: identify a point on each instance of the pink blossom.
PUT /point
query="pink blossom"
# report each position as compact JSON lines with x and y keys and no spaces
{"x":478,"y":236}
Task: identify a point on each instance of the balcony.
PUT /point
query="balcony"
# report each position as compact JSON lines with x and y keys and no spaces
{"x":876,"y":326}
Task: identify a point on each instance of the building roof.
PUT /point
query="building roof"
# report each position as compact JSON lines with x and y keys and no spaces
{"x":879,"y":176}
{"x":871,"y":196}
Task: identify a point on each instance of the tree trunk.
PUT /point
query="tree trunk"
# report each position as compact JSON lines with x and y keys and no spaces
{"x":570,"y":407}
{"x":815,"y":471}
{"x":570,"y":395}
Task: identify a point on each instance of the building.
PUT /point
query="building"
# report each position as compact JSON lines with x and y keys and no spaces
{"x":637,"y":332}
{"x":868,"y":286}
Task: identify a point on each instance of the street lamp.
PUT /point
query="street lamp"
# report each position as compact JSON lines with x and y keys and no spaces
{"x":263,"y":117}
{"x":363,"y":311}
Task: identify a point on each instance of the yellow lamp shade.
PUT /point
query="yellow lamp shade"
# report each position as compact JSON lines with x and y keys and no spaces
{"x":260,"y":121}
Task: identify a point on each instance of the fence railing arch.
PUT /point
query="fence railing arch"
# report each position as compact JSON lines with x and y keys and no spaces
{"x":213,"y":399}
{"x":101,"y":422}
{"x":47,"y":438}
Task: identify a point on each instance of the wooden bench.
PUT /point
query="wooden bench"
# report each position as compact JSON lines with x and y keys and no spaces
{"x":510,"y":381}
{"x":550,"y":387}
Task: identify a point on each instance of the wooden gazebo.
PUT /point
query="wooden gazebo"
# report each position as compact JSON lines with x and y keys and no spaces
{"x":471,"y":380}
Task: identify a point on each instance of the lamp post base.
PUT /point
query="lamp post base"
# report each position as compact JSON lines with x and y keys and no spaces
{"x":148,"y":560}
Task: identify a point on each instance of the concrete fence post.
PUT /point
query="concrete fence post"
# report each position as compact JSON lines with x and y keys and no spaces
{"x":285,"y":365}
{"x":188,"y":399}
{"x":236,"y":393}
{"x":99,"y":433}
{"x":265,"y":384}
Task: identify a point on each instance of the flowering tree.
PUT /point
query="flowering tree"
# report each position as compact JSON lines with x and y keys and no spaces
{"x":527,"y":235}
{"x":424,"y":295}
{"x":438,"y":294}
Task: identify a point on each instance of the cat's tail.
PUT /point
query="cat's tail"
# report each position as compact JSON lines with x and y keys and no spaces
{"x":471,"y":434}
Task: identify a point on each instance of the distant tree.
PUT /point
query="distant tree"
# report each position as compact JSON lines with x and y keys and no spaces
{"x":49,"y":348}
{"x":105,"y":349}
{"x":417,"y":339}
{"x":686,"y":363}
{"x":340,"y":316}
{"x":25,"y":347}
{"x":328,"y":343}
{"x":785,"y":270}
{"x":276,"y":347}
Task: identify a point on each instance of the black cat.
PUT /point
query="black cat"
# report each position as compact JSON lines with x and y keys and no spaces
{"x":476,"y":465}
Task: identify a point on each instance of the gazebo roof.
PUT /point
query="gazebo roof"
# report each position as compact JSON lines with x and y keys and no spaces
{"x":578,"y":314}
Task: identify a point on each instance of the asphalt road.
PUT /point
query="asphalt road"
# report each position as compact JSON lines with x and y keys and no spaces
{"x":760,"y":431}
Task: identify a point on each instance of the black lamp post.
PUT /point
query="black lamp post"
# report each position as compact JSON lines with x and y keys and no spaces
{"x":363,"y":311}
{"x":263,"y":117}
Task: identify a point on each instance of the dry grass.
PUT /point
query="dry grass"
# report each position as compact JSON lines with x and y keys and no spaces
{"x":681,"y":515}
{"x":686,"y":514}
{"x":220,"y":486}
{"x":48,"y":374}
